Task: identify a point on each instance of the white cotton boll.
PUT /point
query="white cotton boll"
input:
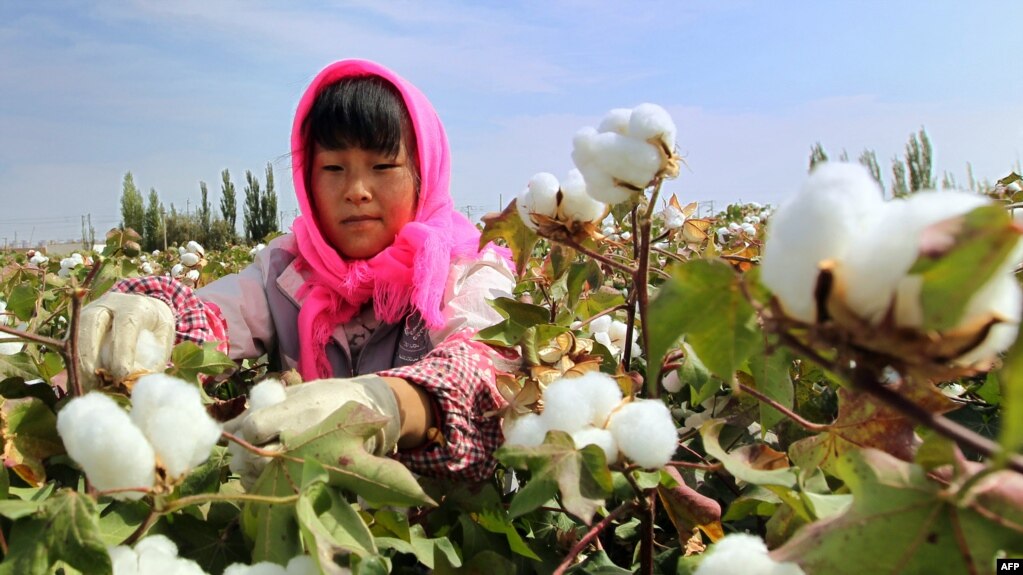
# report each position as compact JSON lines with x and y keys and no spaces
{"x":39,"y":259}
{"x":602,"y":438}
{"x":125,"y":561}
{"x":266,"y":393}
{"x":645,"y":432}
{"x":193,"y":247}
{"x":889,"y":245}
{"x":749,"y":229}
{"x":820,"y":222}
{"x":159,"y":544}
{"x":528,"y":430}
{"x":565,"y":406}
{"x":672,"y":383}
{"x":170,"y":413}
{"x":192,"y":275}
{"x":78,"y":259}
{"x":259,"y":247}
{"x":628,"y":160}
{"x":147,"y":269}
{"x":743,"y":553}
{"x":605,"y":340}
{"x":261,"y":568}
{"x":673,"y":217}
{"x":182,"y":250}
{"x":617,"y":120}
{"x":177,"y":270}
{"x":600,"y":391}
{"x":302,"y":565}
{"x":102,"y":439}
{"x":189,"y":259}
{"x":1002,"y":298}
{"x":601,"y":324}
{"x":539,"y":197}
{"x":576,"y":203}
{"x":617,"y":330}
{"x":650,"y":121}
{"x":588,"y":158}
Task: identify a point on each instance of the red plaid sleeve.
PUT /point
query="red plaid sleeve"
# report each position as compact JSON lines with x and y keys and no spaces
{"x":196,"y":320}
{"x":460,"y":377}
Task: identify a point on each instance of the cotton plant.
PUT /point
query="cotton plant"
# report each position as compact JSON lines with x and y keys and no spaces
{"x":72,"y":262}
{"x":191,"y":260}
{"x":839,"y":223}
{"x":270,"y":391}
{"x":38,"y":258}
{"x":167,"y":430}
{"x":592,"y":410}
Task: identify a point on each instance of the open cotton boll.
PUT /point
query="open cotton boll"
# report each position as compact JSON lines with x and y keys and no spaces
{"x":266,"y":393}
{"x":193,"y":247}
{"x":601,"y":324}
{"x":171,"y":414}
{"x":150,"y":353}
{"x":617,"y":332}
{"x":189,"y":259}
{"x":743,"y":553}
{"x":302,"y":565}
{"x":566,"y":406}
{"x":599,"y":391}
{"x":539,"y":197}
{"x":124,"y":560}
{"x":177,"y":271}
{"x":616,"y":120}
{"x":102,"y":439}
{"x":586,"y":155}
{"x":261,"y":568}
{"x":528,"y":430}
{"x":602,"y":438}
{"x":890,"y":244}
{"x":649,"y":121}
{"x":645,"y":432}
{"x":158,"y":554}
{"x":820,"y":222}
{"x":673,"y":217}
{"x":576,"y":203}
{"x":1002,"y":298}
{"x":626,"y":159}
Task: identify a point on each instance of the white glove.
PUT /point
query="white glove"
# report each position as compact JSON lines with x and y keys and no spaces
{"x":308,"y":405}
{"x":124,"y":334}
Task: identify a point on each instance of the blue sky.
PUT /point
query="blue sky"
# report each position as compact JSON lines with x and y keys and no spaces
{"x":177,"y":91}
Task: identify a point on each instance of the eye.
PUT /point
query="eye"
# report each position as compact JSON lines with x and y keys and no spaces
{"x":332,"y":168}
{"x":386,"y":166}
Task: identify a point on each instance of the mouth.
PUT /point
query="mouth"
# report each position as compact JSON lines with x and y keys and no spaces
{"x":357,"y":219}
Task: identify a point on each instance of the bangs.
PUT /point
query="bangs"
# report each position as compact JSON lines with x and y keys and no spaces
{"x":363,"y":112}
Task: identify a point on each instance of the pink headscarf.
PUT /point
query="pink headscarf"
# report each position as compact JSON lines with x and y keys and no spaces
{"x":409,"y":274}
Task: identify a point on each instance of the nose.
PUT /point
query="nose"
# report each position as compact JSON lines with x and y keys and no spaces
{"x":357,"y":192}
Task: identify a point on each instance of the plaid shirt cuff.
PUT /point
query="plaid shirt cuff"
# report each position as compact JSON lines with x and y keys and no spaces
{"x":459,"y":376}
{"x":195,"y":320}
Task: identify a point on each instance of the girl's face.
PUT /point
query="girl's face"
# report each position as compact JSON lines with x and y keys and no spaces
{"x":362,"y":198}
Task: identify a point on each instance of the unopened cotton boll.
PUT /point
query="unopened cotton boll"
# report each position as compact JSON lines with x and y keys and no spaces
{"x":189,"y":259}
{"x":602,"y":438}
{"x":266,"y":393}
{"x":743,"y":553}
{"x":102,"y":439}
{"x":171,"y":414}
{"x":650,"y":121}
{"x":672,"y":383}
{"x":528,"y":430}
{"x":819,"y":223}
{"x":645,"y":432}
{"x":576,"y":204}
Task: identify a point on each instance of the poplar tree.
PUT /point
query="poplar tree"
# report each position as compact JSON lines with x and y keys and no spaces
{"x":869,"y":160}
{"x":152,"y":236}
{"x":270,"y":203}
{"x":228,"y":201}
{"x":817,"y":155}
{"x":918,"y":160}
{"x":253,"y":213}
{"x":204,"y":214}
{"x":899,"y":187}
{"x":132,"y":210}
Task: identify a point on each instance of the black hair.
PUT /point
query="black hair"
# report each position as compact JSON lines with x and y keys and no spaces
{"x":361,"y":111}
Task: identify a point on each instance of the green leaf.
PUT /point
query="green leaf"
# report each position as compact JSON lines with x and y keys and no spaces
{"x":64,"y":529}
{"x":519,"y":318}
{"x":983,"y":239}
{"x":770,"y":373}
{"x":338,"y":443}
{"x":703,"y":301}
{"x":702,"y":385}
{"x":120,"y":519}
{"x":740,"y":468}
{"x":906,"y":522}
{"x":581,"y":475}
{"x":22,"y":301}
{"x":211,"y":546}
{"x":597,"y":301}
{"x":582,"y":276}
{"x":508,"y":226}
{"x":208,"y":476}
{"x":1011,"y":379}
{"x":425,"y":549}
{"x":330,"y":526}
{"x":273,"y":528}
{"x":189,"y":360}
{"x":16,"y":388}
{"x":501,"y":523}
{"x":30,"y":436}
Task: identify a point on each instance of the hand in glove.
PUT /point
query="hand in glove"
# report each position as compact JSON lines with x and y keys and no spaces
{"x":306,"y":406}
{"x":124,"y":334}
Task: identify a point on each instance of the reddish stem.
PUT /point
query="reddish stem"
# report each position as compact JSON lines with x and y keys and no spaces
{"x":590,"y":535}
